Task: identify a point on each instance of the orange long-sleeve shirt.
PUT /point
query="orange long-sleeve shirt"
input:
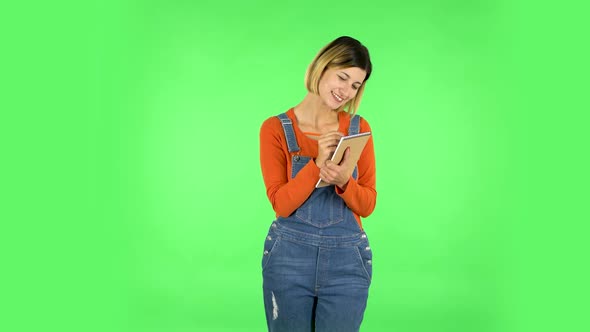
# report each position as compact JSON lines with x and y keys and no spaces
{"x":286,"y":194}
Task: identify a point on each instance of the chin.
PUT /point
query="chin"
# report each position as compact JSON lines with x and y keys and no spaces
{"x":337,"y":107}
{"x":332,"y":105}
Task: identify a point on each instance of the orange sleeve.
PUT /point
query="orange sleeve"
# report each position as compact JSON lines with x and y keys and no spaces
{"x":361,"y":194}
{"x":285,"y":194}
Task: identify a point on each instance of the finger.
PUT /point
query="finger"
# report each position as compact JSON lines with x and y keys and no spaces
{"x":324,"y":175}
{"x":331,"y":136}
{"x":329,"y":173}
{"x":345,"y":157}
{"x":328,"y":150}
{"x":328,"y":141}
{"x":333,"y":133}
{"x":331,"y":165}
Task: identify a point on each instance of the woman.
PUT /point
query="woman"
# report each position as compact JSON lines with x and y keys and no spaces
{"x":317,"y":261}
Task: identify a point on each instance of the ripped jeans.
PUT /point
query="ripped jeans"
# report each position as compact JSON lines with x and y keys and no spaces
{"x":315,"y":282}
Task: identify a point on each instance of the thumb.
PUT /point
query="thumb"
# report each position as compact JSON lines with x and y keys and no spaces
{"x":346,"y":156}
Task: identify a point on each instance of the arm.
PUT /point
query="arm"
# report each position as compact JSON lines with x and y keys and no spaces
{"x":360,"y":195}
{"x":285,"y":196}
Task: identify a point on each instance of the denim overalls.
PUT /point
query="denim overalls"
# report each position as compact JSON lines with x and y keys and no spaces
{"x":316,"y":264}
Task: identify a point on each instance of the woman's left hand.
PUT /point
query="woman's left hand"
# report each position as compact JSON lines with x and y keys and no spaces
{"x":337,"y":174}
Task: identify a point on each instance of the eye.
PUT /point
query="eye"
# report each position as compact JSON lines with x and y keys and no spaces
{"x":342,"y":78}
{"x":356,"y":87}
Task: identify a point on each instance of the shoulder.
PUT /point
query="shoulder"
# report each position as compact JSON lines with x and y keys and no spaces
{"x":271,"y":125}
{"x":364,"y":124}
{"x":272,"y":122}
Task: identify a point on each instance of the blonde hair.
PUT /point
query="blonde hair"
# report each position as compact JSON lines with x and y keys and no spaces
{"x":343,"y":52}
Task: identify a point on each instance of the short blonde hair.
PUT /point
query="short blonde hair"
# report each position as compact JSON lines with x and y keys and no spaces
{"x":343,"y":52}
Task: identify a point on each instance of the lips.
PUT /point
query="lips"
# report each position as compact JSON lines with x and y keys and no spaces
{"x":337,"y":97}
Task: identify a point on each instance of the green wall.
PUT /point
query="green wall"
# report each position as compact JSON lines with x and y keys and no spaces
{"x":149,"y":212}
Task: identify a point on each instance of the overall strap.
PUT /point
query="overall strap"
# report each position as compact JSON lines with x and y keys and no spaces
{"x":289,"y":132}
{"x":355,"y":125}
{"x":354,"y":128}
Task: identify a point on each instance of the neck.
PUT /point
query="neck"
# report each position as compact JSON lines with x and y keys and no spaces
{"x":312,"y":111}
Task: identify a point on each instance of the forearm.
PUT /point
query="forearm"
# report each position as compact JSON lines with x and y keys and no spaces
{"x":286,"y":197}
{"x":360,"y":199}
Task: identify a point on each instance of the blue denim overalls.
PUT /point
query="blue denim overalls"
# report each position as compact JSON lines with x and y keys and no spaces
{"x":316,"y":264}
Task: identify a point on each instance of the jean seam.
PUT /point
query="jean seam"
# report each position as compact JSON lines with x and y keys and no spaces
{"x":304,"y":214}
{"x":360,"y":256}
{"x":270,"y":252}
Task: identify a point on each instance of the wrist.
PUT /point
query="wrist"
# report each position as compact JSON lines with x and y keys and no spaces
{"x":343,"y":185}
{"x":318,"y":163}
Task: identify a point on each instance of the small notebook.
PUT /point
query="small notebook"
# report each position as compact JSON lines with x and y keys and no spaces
{"x":356,"y":143}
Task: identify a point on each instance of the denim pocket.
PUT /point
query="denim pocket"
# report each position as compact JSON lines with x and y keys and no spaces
{"x":270,"y":244}
{"x":323,"y":208}
{"x":366,"y":257}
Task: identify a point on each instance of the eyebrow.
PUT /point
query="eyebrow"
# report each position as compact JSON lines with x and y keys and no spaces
{"x":348,"y":76}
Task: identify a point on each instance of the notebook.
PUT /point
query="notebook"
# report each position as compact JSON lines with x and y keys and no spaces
{"x":356,"y":143}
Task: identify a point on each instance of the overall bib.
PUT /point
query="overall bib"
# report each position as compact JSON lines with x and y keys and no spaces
{"x":316,"y":264}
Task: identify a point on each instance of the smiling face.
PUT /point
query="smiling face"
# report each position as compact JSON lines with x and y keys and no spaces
{"x":339,"y":85}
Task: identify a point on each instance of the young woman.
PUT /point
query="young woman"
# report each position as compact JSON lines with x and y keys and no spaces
{"x":317,"y":263}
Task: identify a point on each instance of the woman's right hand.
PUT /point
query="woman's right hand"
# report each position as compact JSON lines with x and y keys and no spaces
{"x":326,"y":145}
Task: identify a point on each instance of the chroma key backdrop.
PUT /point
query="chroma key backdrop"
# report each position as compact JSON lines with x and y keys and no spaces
{"x":140,"y":195}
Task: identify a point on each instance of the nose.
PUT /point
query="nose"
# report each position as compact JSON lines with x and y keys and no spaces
{"x":346,"y":89}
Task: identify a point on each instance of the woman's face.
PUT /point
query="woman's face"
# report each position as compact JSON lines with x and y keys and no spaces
{"x":338,"y":86}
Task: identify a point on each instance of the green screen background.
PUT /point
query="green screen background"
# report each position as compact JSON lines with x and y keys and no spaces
{"x":135,"y":192}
